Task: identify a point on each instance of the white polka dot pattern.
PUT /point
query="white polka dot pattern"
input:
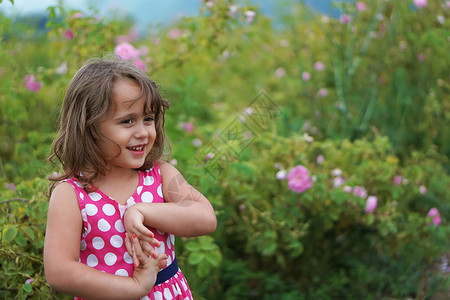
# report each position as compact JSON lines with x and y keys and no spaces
{"x":110,"y":258}
{"x":95,"y":196}
{"x":139,"y":190}
{"x":159,"y":191}
{"x":116,"y":241}
{"x":158,"y":296}
{"x":83,"y":245}
{"x":92,"y":260}
{"x":98,"y":243}
{"x":147,"y":197}
{"x":121,"y":272}
{"x":102,"y":243}
{"x":149,"y":180}
{"x":103,"y":225}
{"x":127,"y":258}
{"x":119,"y":226}
{"x":108,"y":209}
{"x":91,"y":209}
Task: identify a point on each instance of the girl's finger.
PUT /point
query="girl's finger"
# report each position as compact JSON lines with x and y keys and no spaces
{"x":139,"y":253}
{"x":136,"y":248}
{"x":145,"y":234}
{"x":128,"y":245}
{"x":148,"y":250}
{"x":162,"y":260}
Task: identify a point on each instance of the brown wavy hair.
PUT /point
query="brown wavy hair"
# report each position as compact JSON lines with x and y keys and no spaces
{"x":88,"y":99}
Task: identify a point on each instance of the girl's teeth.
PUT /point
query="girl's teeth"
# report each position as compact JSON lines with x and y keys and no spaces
{"x":136,"y":148}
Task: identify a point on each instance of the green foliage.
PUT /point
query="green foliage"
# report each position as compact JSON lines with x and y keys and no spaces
{"x":22,"y":228}
{"x":204,"y":254}
{"x":321,"y":242}
{"x":377,"y":110}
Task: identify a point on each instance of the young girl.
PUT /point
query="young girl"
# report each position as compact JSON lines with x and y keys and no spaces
{"x":114,"y":213}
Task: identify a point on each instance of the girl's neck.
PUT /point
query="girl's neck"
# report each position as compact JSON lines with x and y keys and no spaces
{"x":118,"y":185}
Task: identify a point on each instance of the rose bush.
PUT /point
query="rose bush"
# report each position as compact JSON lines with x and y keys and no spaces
{"x":322,"y":143}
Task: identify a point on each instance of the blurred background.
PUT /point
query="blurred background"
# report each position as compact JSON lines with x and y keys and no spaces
{"x":145,"y":13}
{"x":317,"y":129}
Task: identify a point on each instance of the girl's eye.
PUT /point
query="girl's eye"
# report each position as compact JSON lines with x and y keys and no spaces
{"x":127,"y":121}
{"x":148,"y":119}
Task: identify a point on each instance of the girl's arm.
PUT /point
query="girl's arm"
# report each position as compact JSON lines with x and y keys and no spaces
{"x":185,"y":212}
{"x":62,"y":249}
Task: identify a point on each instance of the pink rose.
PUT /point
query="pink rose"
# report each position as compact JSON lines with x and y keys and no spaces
{"x":30,"y":84}
{"x":306,"y":76}
{"x":371,"y":204}
{"x":398,"y":179}
{"x":69,"y":34}
{"x":320,"y":159}
{"x":140,"y":64}
{"x":423,"y":189}
{"x":249,"y":16}
{"x":420,"y":3}
{"x":319,"y":66}
{"x":187,"y":126}
{"x":174,"y":33}
{"x":322,"y":92}
{"x":298,"y":179}
{"x":345,"y":19}
{"x":434,"y":213}
{"x":126,"y":51}
{"x":359,"y":191}
{"x":360,"y":6}
{"x":11,"y":186}
{"x":338,"y":181}
{"x":348,"y":189}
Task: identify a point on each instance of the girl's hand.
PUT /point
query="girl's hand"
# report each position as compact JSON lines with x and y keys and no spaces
{"x":145,"y":268}
{"x":133,"y":222}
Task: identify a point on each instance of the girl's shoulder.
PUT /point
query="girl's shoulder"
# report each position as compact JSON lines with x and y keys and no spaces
{"x":64,"y":191}
{"x":73,"y":187}
{"x":166,"y":169}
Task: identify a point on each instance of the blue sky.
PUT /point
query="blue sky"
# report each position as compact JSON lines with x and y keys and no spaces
{"x":145,"y":12}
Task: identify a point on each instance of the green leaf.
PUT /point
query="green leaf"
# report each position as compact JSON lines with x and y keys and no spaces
{"x":269,"y":249}
{"x":29,"y":232}
{"x":208,"y":247}
{"x":10,"y":233}
{"x":203,"y":268}
{"x":51,"y":12}
{"x":27,"y":288}
{"x":296,"y":248}
{"x":21,"y":240}
{"x":193,"y":246}
{"x":214,"y":258}
{"x":195,"y":258}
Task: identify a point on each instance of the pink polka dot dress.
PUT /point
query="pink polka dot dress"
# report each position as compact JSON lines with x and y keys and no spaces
{"x":102,"y":242}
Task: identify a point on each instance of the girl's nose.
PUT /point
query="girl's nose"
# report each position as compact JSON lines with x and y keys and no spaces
{"x":141,"y":131}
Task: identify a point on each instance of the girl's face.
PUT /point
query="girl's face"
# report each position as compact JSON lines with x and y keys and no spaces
{"x":129,"y":132}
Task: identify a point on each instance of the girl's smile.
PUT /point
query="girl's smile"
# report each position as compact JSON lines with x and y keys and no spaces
{"x":128,"y":132}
